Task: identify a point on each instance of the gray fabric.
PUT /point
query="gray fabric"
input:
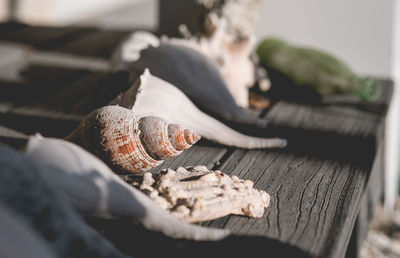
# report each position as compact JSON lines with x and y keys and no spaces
{"x":93,"y":189}
{"x":25,"y":191}
{"x":18,"y":239}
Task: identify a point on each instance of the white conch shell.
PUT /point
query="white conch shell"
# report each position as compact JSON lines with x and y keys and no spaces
{"x":156,"y":97}
{"x":94,"y":190}
{"x":130,"y":143}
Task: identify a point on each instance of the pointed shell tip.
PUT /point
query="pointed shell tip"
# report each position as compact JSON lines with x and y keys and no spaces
{"x":191,"y":137}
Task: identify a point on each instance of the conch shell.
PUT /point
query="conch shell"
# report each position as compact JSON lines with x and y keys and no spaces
{"x":195,"y":74}
{"x":152,"y":96}
{"x":131,"y":143}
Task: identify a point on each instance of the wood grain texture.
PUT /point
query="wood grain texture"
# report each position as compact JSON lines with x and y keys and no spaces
{"x":35,"y":35}
{"x":372,"y":197}
{"x":90,"y":92}
{"x":312,"y":200}
{"x":30,"y":121}
{"x":98,"y":43}
{"x":200,"y":154}
{"x":12,"y":137}
{"x":41,"y":37}
{"x":316,"y":183}
{"x":8,"y":27}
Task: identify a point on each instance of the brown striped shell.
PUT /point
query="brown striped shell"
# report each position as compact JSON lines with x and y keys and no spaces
{"x":129,"y":143}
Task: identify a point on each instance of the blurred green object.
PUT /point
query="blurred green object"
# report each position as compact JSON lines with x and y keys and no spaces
{"x":313,"y":68}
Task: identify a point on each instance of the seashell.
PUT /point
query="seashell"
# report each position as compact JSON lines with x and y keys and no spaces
{"x":93,"y":189}
{"x":131,"y":143}
{"x":193,"y":73}
{"x":196,"y":194}
{"x":152,"y":96}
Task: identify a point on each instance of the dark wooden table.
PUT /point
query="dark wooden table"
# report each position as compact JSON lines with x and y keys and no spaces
{"x":323,"y":186}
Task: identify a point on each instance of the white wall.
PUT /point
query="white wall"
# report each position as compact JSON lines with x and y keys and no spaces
{"x":396,"y":41}
{"x":358,"y":31}
{"x":3,"y":10}
{"x":65,"y":12}
{"x":393,"y":122}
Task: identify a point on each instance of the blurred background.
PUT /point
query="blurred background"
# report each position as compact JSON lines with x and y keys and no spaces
{"x":364,"y":33}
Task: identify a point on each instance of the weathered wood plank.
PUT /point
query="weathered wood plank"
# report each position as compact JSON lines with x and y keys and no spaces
{"x":316,"y":183}
{"x":9,"y":133}
{"x":11,"y":91}
{"x":372,"y":197}
{"x":41,"y":37}
{"x":43,"y":81}
{"x":203,"y":153}
{"x":92,"y":91}
{"x":32,"y":35}
{"x":98,"y":43}
{"x":29,"y":121}
{"x":68,"y":61}
{"x":12,"y":138}
{"x":311,"y":199}
{"x":5,"y":106}
{"x":123,"y":234}
{"x":10,"y":26}
{"x":71,"y":34}
{"x":13,"y":60}
{"x":56,"y":111}
{"x":75,"y":40}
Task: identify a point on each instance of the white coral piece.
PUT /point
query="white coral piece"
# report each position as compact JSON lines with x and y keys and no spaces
{"x":196,"y":194}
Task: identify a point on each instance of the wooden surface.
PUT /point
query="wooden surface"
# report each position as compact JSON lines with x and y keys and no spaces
{"x":319,"y":184}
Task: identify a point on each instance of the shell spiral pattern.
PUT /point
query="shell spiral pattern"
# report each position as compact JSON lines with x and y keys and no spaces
{"x":130,"y":143}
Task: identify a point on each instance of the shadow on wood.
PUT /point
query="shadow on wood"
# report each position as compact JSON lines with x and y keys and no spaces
{"x":134,"y":240}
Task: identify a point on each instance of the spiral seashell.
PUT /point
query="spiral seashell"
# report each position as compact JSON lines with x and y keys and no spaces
{"x":152,"y":96}
{"x":129,"y":143}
